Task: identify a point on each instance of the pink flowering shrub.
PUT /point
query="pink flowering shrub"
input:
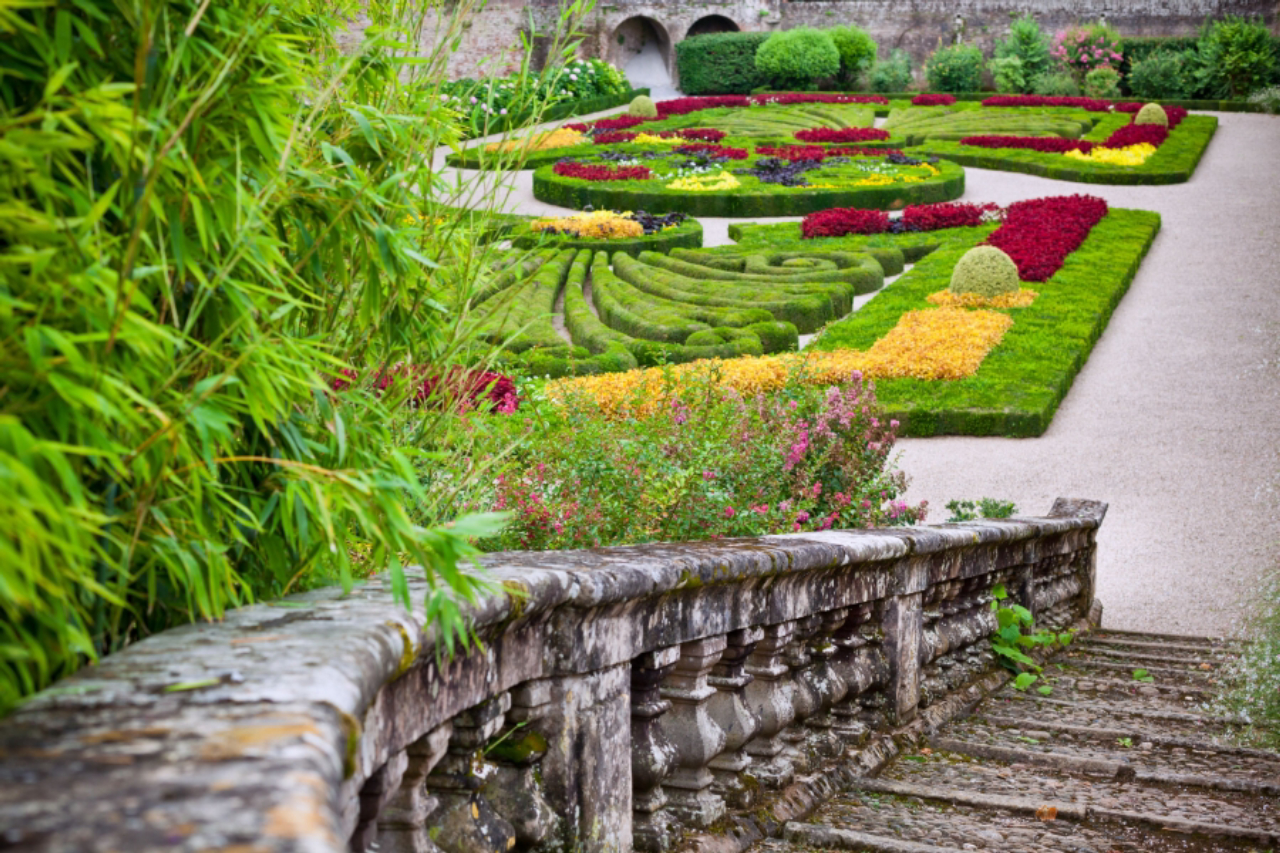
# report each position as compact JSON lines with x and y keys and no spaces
{"x":461,"y":388}
{"x":711,"y":464}
{"x":1083,"y":49}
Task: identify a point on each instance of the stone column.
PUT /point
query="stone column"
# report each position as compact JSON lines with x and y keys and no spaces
{"x":652,"y":755}
{"x":805,"y":700}
{"x":695,"y":735}
{"x":903,"y":626}
{"x":514,"y":789}
{"x":375,"y":794}
{"x":402,"y":824}
{"x":825,"y":680}
{"x":466,"y":823}
{"x":769,"y":698}
{"x":731,"y":768}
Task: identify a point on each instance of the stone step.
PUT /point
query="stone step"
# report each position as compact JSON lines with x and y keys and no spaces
{"x":1142,"y":659}
{"x":1194,"y":675}
{"x":1034,"y":727}
{"x":1126,"y":702}
{"x":1163,"y":642}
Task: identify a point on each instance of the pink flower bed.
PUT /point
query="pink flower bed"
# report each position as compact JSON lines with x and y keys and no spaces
{"x":933,"y":100}
{"x":585,"y":172}
{"x":1040,"y":233}
{"x":847,"y":134}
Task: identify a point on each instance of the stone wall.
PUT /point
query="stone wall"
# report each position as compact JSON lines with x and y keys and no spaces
{"x":616,"y":697}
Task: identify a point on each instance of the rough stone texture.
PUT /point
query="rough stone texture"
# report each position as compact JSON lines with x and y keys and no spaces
{"x":298,"y":726}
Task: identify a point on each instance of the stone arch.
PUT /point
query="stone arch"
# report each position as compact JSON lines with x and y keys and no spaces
{"x":641,"y":47}
{"x":712,"y":24}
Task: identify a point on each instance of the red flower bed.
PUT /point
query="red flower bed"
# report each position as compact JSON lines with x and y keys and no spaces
{"x":932,"y":100}
{"x":1096,"y":105}
{"x":713,"y":150}
{"x":839,"y":221}
{"x":847,"y":134}
{"x":614,"y":137}
{"x":578,"y":126}
{"x":1039,"y":234}
{"x":845,"y":151}
{"x":1048,"y":144}
{"x":474,"y":388}
{"x":619,"y":123}
{"x":1174,"y":114}
{"x":701,"y":134}
{"x":934,"y":217}
{"x":816,"y":98}
{"x":682,"y":106}
{"x":1136,"y":134}
{"x":584,"y":172}
{"x":794,"y":152}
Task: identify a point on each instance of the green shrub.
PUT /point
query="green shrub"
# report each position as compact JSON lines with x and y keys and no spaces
{"x":1235,"y":57}
{"x":1102,"y":82}
{"x":797,"y":59}
{"x":1152,"y":114}
{"x":1027,"y":44}
{"x":1008,"y":74}
{"x":986,"y":271}
{"x":891,"y":75}
{"x":956,"y":68}
{"x":642,"y":106}
{"x":1268,"y":99}
{"x":1163,"y":75}
{"x":1055,"y":83}
{"x":720,"y":63}
{"x":857,"y":51}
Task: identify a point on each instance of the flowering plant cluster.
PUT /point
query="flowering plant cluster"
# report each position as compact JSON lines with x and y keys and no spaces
{"x":465,"y":388}
{"x":614,"y":137}
{"x":596,"y":225}
{"x":1095,"y":105}
{"x":587,"y":172}
{"x":561,"y":138}
{"x":707,"y":149}
{"x":482,"y":100}
{"x":1082,"y":49}
{"x":1046,"y":144}
{"x":1039,"y":234}
{"x":845,"y":134}
{"x":691,"y":134}
{"x":838,"y":221}
{"x":1129,"y":145}
{"x":1129,"y":155}
{"x":705,"y":183}
{"x":619,"y":123}
{"x":933,"y":100}
{"x":707,"y":462}
{"x":1138,"y":134}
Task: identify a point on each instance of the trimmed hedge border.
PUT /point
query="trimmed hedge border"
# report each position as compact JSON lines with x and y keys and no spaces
{"x":567,"y":109}
{"x":1022,"y":381}
{"x":686,"y":235}
{"x":904,"y":98}
{"x":1173,"y":163}
{"x":781,"y":201}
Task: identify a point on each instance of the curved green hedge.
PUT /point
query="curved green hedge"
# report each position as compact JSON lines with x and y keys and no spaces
{"x":766,"y":200}
{"x":686,"y":235}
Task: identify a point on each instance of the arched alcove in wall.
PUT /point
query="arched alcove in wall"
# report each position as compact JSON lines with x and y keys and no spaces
{"x":641,"y":47}
{"x":712,"y":24}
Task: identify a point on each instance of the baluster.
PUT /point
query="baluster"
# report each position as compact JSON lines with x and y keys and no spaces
{"x":466,"y":822}
{"x":825,"y":679}
{"x":514,"y":790}
{"x":652,"y":755}
{"x":804,"y":698}
{"x":402,"y":824}
{"x":695,"y":735}
{"x":769,"y":697}
{"x":729,"y":708}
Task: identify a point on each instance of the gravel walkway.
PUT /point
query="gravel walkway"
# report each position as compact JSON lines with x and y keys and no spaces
{"x":1175,"y":419}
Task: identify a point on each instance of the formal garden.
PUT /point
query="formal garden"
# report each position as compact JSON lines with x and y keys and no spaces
{"x":254,"y":343}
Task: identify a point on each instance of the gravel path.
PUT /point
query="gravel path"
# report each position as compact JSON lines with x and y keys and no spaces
{"x":1175,"y":419}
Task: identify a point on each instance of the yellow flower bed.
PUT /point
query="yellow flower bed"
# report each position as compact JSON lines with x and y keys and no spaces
{"x":653,"y":139}
{"x":1019,"y":299}
{"x":1130,"y":155}
{"x":933,"y":344}
{"x":875,"y":181}
{"x":562,"y":138}
{"x":705,"y":183}
{"x":597,"y":225}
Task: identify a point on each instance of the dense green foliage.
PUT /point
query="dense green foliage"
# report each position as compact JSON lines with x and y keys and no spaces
{"x":857,"y":51}
{"x":1021,"y":382}
{"x":1250,"y":688}
{"x":1102,"y":82}
{"x":1027,"y":44}
{"x":892,"y":74}
{"x":1161,"y":74}
{"x":720,"y":63}
{"x":495,"y":103}
{"x":795,"y":60}
{"x":1055,"y":83}
{"x":985,"y":271}
{"x":955,"y":68}
{"x":208,"y":212}
{"x":1235,"y":57}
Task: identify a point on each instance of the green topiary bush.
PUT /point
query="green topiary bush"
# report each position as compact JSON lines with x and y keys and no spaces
{"x":1102,"y":82}
{"x":1162,"y":74}
{"x":956,"y":68}
{"x":797,"y":59}
{"x":857,"y":53}
{"x":720,"y":63}
{"x":642,"y":106}
{"x":1152,"y":114}
{"x":892,"y":75}
{"x":986,"y":271}
{"x":1027,"y":44}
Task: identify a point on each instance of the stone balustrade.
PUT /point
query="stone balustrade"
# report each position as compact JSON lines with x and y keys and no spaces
{"x":612,"y":699}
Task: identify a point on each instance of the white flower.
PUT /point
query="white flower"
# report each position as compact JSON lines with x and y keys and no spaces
{"x":503,"y":111}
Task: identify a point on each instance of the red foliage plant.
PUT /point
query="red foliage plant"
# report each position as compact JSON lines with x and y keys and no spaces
{"x":470,"y":388}
{"x":619,"y":123}
{"x":1040,"y":233}
{"x":933,"y":100}
{"x":1136,"y":134}
{"x":839,"y":221}
{"x":1048,"y":144}
{"x":613,"y":137}
{"x":586,"y":172}
{"x":713,"y":150}
{"x":794,"y":152}
{"x":1094,"y":105}
{"x":934,"y":217}
{"x":846,"y":134}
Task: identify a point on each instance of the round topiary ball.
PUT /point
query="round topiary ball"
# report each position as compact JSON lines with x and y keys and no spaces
{"x":642,"y":106}
{"x":986,"y":271}
{"x":1152,"y":114}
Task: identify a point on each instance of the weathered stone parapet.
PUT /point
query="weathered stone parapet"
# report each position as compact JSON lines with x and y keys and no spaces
{"x":603,"y":683}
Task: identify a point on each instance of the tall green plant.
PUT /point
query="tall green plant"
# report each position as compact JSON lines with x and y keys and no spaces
{"x":857,"y":51}
{"x":207,"y":212}
{"x":1027,"y":44}
{"x":1234,"y":58}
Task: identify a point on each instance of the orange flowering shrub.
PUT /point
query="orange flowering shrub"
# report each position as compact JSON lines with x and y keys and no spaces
{"x":599,"y":225}
{"x":1018,"y":299}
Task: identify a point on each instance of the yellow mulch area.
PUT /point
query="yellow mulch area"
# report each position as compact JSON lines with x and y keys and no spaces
{"x":1018,"y":299}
